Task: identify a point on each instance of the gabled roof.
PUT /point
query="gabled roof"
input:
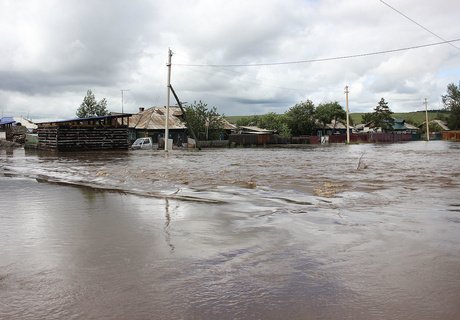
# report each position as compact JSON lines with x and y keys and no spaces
{"x":440,"y":123}
{"x":333,"y":125}
{"x":400,"y":124}
{"x":255,"y":130}
{"x":26,"y":123}
{"x":228,"y":125}
{"x":154,"y":118}
{"x":337,"y":125}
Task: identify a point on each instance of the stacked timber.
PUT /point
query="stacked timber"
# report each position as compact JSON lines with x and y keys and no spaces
{"x":94,"y":133}
{"x":83,"y":138}
{"x":47,"y":138}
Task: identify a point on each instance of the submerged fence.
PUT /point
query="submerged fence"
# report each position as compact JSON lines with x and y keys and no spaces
{"x":451,"y":135}
{"x":256,"y":139}
{"x":270,"y":139}
{"x":375,"y":137}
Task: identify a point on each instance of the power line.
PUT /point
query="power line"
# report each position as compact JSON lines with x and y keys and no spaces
{"x":412,"y":20}
{"x":318,"y":60}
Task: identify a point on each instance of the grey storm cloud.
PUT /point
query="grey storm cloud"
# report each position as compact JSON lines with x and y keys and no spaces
{"x":53,"y":51}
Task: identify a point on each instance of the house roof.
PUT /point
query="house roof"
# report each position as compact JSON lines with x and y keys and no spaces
{"x":334,"y":124}
{"x":7,"y":120}
{"x":85,"y":121}
{"x":154,"y":118}
{"x":256,"y":130}
{"x":400,"y":124}
{"x":26,"y":123}
{"x":440,"y":123}
{"x":228,"y":125}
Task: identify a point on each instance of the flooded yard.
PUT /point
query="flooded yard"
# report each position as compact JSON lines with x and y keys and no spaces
{"x":322,"y":232}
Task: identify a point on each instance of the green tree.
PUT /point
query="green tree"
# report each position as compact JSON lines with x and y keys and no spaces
{"x":451,"y":102}
{"x":382,"y":116}
{"x":91,"y":108}
{"x":367,"y":117}
{"x":270,"y":121}
{"x":301,"y":118}
{"x":206,"y":123}
{"x":330,"y":112}
{"x":248,"y":121}
{"x":275,"y":122}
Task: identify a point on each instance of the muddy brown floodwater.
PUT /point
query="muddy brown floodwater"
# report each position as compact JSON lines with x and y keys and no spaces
{"x":323,"y":232}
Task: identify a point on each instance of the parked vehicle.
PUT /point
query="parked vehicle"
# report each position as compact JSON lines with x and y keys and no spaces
{"x":143,"y":143}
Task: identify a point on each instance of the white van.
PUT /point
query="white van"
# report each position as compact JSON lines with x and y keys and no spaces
{"x":142,"y":143}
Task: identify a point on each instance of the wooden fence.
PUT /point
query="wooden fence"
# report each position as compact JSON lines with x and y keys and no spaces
{"x":375,"y":137}
{"x":451,"y":135}
{"x":255,"y":139}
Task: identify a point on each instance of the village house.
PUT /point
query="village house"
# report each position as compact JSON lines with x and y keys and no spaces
{"x":151,"y":123}
{"x":334,"y":127}
{"x":399,"y":126}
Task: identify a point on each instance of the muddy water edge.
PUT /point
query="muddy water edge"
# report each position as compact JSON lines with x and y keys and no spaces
{"x":321,"y":232}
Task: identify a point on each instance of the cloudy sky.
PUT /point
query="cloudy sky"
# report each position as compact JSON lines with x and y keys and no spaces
{"x":53,"y":51}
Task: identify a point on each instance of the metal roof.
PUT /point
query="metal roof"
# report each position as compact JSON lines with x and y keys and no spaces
{"x":228,"y":125}
{"x":253,"y":129}
{"x":154,"y":119}
{"x":120,"y":115}
{"x":337,"y":125}
{"x":26,"y":123}
{"x":6,"y":120}
{"x":441,"y":123}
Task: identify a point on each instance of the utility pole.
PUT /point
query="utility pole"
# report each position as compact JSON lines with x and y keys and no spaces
{"x":168,"y":96}
{"x":348,"y":117}
{"x":122,"y":90}
{"x":427,"y":123}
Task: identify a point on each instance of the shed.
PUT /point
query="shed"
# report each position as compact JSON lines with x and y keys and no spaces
{"x":94,"y":133}
{"x":6,"y":128}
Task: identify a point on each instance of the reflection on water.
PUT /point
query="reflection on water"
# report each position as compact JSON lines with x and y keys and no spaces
{"x":232,"y":234}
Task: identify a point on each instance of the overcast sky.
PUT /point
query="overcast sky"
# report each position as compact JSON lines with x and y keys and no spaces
{"x":53,"y":51}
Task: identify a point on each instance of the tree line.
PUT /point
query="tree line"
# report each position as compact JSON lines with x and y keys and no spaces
{"x":301,"y":119}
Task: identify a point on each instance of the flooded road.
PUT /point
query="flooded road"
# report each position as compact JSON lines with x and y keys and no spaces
{"x":323,"y":232}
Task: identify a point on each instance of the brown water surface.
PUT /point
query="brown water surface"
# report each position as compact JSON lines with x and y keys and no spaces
{"x":232,"y":233}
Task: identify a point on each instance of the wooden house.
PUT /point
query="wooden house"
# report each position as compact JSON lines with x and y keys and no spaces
{"x":151,"y":123}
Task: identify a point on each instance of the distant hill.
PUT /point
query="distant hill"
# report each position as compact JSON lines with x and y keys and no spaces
{"x":415,"y":118}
